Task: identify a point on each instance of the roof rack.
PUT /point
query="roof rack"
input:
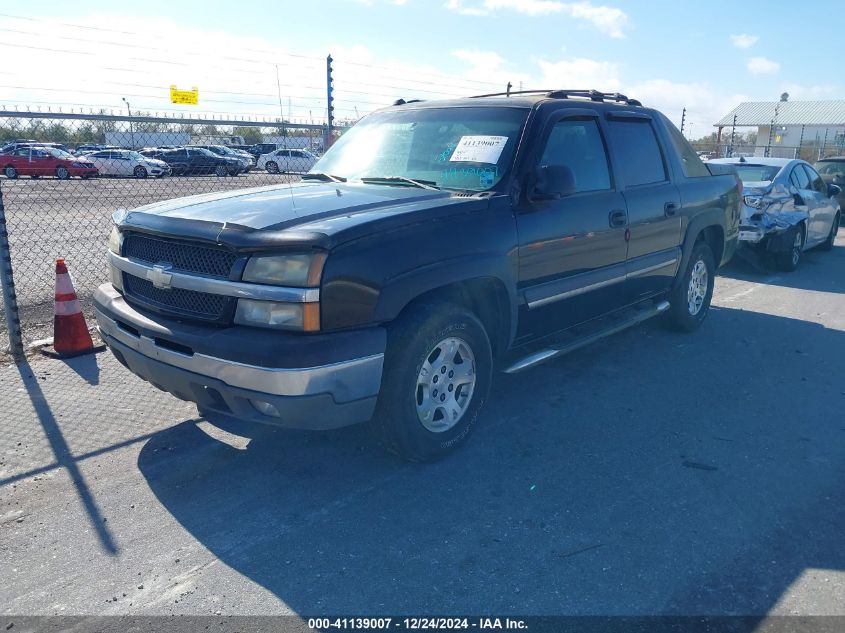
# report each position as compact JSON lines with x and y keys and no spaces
{"x":592,"y":95}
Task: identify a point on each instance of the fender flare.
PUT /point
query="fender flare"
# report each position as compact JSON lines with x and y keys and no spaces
{"x":711,"y":217}
{"x":399,"y":291}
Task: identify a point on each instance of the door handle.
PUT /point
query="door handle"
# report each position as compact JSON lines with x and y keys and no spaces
{"x":617,"y":218}
{"x":670,"y":208}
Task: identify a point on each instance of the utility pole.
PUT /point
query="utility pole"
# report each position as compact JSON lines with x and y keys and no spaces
{"x":131,"y":129}
{"x":508,"y":90}
{"x":329,"y":103}
{"x":733,"y":137}
{"x":683,"y":120}
{"x":800,"y":142}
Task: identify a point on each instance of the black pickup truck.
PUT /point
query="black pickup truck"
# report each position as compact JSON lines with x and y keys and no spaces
{"x":433,"y":243}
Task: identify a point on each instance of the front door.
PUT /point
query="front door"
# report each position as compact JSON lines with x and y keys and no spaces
{"x":572,"y":250}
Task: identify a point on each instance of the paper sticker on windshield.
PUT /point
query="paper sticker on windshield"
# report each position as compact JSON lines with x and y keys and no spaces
{"x":479,"y":149}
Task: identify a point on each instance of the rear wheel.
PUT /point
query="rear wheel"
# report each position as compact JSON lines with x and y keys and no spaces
{"x":62,"y":173}
{"x":788,"y":260}
{"x":272,"y":168}
{"x":689,"y":301}
{"x":140,"y":171}
{"x":437,"y":372}
{"x":10,"y":172}
{"x":831,"y":238}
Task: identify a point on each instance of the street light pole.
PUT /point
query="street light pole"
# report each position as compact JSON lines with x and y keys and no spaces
{"x":131,"y":130}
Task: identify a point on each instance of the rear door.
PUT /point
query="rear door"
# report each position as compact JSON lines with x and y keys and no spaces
{"x":572,"y":250}
{"x":824,"y":209}
{"x":652,"y":199}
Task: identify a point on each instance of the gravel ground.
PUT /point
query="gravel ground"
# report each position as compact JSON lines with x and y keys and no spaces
{"x":652,"y":473}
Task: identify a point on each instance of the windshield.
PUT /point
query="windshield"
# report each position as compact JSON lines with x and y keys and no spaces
{"x":135,"y":155}
{"x":831,"y":167}
{"x":455,"y":148}
{"x":756,"y":173}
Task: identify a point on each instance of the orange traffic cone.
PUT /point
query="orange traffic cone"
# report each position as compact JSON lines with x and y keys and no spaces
{"x":70,"y":334}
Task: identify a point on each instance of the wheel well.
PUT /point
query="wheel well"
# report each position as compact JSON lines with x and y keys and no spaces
{"x":485,"y":297}
{"x":714,"y":237}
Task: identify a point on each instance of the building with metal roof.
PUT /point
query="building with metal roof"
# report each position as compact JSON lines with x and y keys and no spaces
{"x":784,"y":127}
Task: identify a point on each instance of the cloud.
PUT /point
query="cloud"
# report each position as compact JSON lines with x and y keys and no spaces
{"x":608,"y":20}
{"x":480,"y":59}
{"x":762,"y":66}
{"x":744,"y":41}
{"x":579,"y":73}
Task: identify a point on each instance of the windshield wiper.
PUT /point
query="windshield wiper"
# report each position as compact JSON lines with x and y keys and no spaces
{"x":316,"y":175}
{"x":422,"y":184}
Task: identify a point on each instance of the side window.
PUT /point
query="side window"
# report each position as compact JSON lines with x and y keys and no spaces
{"x":799,"y":178}
{"x":577,"y":143}
{"x":283,"y":152}
{"x":690,"y":161}
{"x":816,"y":181}
{"x":636,"y":146}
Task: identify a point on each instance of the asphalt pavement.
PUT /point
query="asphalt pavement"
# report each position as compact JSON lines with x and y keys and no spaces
{"x":652,"y":473}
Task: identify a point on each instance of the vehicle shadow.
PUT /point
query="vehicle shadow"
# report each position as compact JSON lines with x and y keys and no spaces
{"x":813,"y":271}
{"x":654,"y":473}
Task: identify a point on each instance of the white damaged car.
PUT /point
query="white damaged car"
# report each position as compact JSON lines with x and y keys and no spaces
{"x":786,"y":208}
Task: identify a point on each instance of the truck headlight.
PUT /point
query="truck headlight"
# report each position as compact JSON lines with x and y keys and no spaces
{"x":115,"y":239}
{"x":304,"y":317}
{"x":301,"y":271}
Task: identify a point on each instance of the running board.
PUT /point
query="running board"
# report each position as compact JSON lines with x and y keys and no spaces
{"x":553,"y":352}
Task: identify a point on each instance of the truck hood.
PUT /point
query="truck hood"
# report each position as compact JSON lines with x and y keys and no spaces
{"x":312,"y":213}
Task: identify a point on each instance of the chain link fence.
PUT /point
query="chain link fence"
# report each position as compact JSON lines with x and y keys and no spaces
{"x":63,"y":175}
{"x":810,"y":151}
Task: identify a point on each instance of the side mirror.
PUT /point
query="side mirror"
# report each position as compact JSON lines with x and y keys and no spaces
{"x":833,"y":190}
{"x":553,"y":182}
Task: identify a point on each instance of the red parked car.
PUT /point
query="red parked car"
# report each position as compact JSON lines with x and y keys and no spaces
{"x":45,"y":161}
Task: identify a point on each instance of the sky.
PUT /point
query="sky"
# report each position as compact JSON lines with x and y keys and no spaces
{"x":268,"y":59}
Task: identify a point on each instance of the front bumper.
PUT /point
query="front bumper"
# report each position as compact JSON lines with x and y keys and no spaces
{"x":312,"y":382}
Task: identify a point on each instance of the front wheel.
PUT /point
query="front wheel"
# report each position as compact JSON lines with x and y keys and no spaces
{"x":689,"y":300}
{"x":62,"y":173}
{"x":272,"y":168}
{"x":221,"y":171}
{"x":787,"y":261}
{"x":11,"y":172}
{"x":437,"y":373}
{"x":140,"y":172}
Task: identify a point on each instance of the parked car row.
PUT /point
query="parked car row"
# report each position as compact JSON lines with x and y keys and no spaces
{"x":27,"y":157}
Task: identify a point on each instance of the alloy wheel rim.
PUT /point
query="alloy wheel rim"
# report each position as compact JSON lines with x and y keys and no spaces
{"x":445,"y":384}
{"x":796,"y":248}
{"x":697,"y":291}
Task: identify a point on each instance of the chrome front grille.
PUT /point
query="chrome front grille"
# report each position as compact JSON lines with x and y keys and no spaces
{"x":182,"y":256}
{"x":190,"y":303}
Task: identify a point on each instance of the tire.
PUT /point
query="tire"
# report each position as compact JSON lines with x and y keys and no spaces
{"x":234,"y":172}
{"x":140,"y":171}
{"x":62,"y":173}
{"x":689,"y":300}
{"x":221,"y":171}
{"x":10,"y":172}
{"x":788,"y":261}
{"x":831,"y":238}
{"x":408,"y":417}
{"x":272,"y":168}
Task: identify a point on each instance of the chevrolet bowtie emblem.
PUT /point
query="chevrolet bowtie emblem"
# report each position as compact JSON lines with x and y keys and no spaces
{"x":160,"y":276}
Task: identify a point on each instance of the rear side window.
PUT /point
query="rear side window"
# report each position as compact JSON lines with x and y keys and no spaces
{"x":690,"y":161}
{"x":816,"y":181}
{"x":578,"y":145}
{"x":636,"y":146}
{"x":799,"y":178}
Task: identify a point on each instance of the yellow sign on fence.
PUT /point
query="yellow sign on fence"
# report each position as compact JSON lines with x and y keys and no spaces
{"x":189,"y":97}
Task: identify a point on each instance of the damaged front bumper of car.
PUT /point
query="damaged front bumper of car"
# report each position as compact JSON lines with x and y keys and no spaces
{"x":773,"y":229}
{"x":769,"y":218}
